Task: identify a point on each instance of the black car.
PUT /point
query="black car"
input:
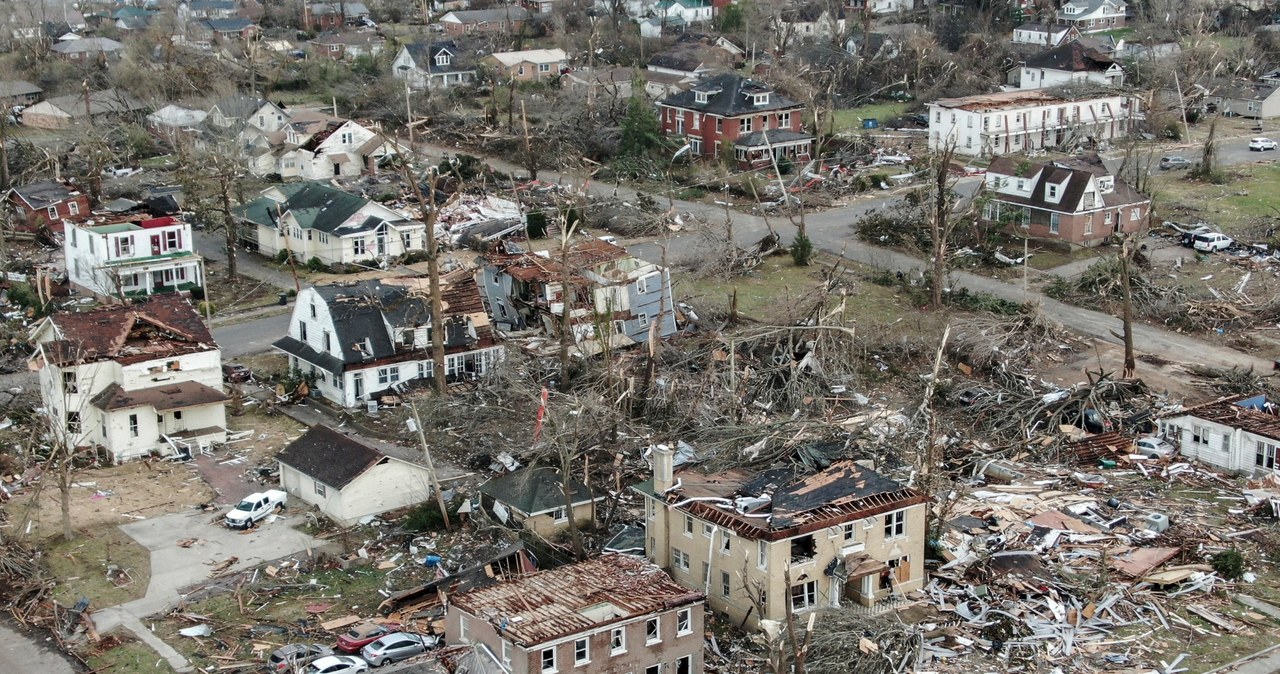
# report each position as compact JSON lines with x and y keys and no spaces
{"x":235,"y":374}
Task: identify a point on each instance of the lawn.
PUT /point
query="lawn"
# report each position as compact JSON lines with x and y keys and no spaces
{"x":245,"y":294}
{"x":851,"y":119}
{"x":1245,"y":201}
{"x":125,"y":657}
{"x":81,"y":567}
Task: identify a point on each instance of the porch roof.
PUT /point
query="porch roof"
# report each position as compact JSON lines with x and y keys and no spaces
{"x":773,"y":138}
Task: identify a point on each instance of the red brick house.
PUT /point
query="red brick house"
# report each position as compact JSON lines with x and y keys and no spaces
{"x":755,"y":120}
{"x":343,"y":46}
{"x":332,"y":16}
{"x":1075,"y":200}
{"x":507,"y":19}
{"x":47,"y":203}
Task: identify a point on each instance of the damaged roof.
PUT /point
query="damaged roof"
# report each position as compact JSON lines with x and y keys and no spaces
{"x":314,"y":205}
{"x":163,"y":326}
{"x":779,"y":503}
{"x":1073,"y":176}
{"x":531,"y":266}
{"x":1250,"y":413}
{"x":330,"y":457}
{"x":1072,"y":57}
{"x":162,"y":398}
{"x":535,"y":490}
{"x":574,"y":599}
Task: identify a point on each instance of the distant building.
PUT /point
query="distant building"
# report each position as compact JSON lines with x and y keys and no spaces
{"x":506,"y":19}
{"x":1044,"y":35}
{"x":1093,"y":16}
{"x":881,"y":7}
{"x":332,"y":16}
{"x":533,"y":498}
{"x":18,"y":92}
{"x":312,"y":145}
{"x":758,"y":123}
{"x":529,"y":65}
{"x":102,"y":107}
{"x":1018,"y":121}
{"x":431,"y":64}
{"x":1071,"y":63}
{"x":614,"y":613}
{"x":1238,"y":433}
{"x":173,"y":122}
{"x":88,"y":49}
{"x":127,"y":259}
{"x":1256,"y":100}
{"x":347,"y":46}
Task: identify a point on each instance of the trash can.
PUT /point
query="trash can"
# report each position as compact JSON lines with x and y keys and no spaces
{"x":870,"y":123}
{"x":284,"y":299}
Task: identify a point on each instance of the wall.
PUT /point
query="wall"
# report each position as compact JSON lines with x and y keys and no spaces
{"x":1220,"y":445}
{"x":1017,"y":129}
{"x":729,"y":129}
{"x":546,"y":526}
{"x":389,"y":485}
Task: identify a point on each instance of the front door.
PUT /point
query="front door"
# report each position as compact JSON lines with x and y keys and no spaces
{"x":357,"y":384}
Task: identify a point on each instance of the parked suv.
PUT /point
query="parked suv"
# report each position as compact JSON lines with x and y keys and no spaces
{"x":1213,"y":242}
{"x":1167,"y":163}
{"x":1262,"y":144}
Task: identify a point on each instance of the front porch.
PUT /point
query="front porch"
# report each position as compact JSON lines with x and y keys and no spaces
{"x":762,"y":149}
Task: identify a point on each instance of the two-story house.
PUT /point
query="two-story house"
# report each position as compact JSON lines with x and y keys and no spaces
{"x":358,"y":340}
{"x":881,"y":7}
{"x":47,"y":203}
{"x":1018,"y":121}
{"x":347,"y":46}
{"x":1071,"y":63}
{"x":533,"y":498}
{"x":504,"y":20}
{"x":431,"y":64}
{"x":614,"y":613}
{"x":311,"y":219}
{"x":611,"y":293}
{"x":1043,"y":35}
{"x":315,"y":146}
{"x":206,"y":9}
{"x":844,"y":534}
{"x":686,"y":12}
{"x":730,"y":111}
{"x":530,"y":65}
{"x":811,"y":21}
{"x":124,"y":259}
{"x":1093,"y":16}
{"x":239,"y":110}
{"x":135,"y":379}
{"x":1238,"y":433}
{"x":332,"y":16}
{"x":1075,"y":200}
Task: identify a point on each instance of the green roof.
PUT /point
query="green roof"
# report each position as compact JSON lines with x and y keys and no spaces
{"x":115,"y":229}
{"x":314,"y":206}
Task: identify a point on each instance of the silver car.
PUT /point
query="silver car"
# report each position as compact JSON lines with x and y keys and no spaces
{"x":396,"y":647}
{"x":296,"y":655}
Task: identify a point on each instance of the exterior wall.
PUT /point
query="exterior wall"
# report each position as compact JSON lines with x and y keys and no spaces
{"x":653,"y":303}
{"x":1085,"y":228}
{"x":1043,"y":78}
{"x":1094,"y":23}
{"x":1018,"y":129}
{"x":1219,"y":445}
{"x":100,"y":263}
{"x":528,"y":71}
{"x":709,"y":131}
{"x":330,"y":248}
{"x":1250,"y":108}
{"x":634,"y":660}
{"x":881,"y":7}
{"x":386,"y":486}
{"x":455,"y":28}
{"x":546,"y":526}
{"x":269,"y":118}
{"x":666,"y":533}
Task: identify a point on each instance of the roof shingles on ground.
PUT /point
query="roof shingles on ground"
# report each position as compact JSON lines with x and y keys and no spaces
{"x":534,"y":490}
{"x":330,"y":457}
{"x":162,"y":326}
{"x":586,"y":596}
{"x":730,"y":95}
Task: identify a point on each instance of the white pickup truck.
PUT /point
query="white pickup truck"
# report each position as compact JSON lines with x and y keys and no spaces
{"x":255,"y":507}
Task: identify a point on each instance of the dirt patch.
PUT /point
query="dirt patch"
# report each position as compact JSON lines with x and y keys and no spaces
{"x":1109,"y":357}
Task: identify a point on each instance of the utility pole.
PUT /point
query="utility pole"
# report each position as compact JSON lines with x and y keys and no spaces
{"x":408,"y":113}
{"x":431,"y":466}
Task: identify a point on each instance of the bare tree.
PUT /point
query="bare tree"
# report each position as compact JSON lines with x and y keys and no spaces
{"x":428,"y":213}
{"x":211,"y":178}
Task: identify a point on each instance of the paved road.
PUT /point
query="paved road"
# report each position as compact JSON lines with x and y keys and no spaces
{"x":22,"y":652}
{"x":252,"y":336}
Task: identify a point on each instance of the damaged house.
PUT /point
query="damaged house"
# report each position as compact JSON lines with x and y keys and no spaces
{"x":533,"y":498}
{"x":136,"y":379}
{"x":614,"y":613}
{"x":1022,"y":120}
{"x":1239,"y":433}
{"x":315,"y":146}
{"x":842,"y":535}
{"x":356,"y":340}
{"x":611,"y":292}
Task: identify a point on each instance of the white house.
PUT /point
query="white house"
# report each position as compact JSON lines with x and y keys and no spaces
{"x":686,"y":11}
{"x":135,"y":379}
{"x":131,"y":259}
{"x":811,"y":21}
{"x":1017,"y":121}
{"x":1043,"y":35}
{"x":1093,"y":16}
{"x":1071,"y":63}
{"x":315,"y":146}
{"x":1240,"y":433}
{"x":881,"y":7}
{"x":314,"y":220}
{"x":240,"y":110}
{"x":346,"y":479}
{"x":431,"y":64}
{"x":357,"y":340}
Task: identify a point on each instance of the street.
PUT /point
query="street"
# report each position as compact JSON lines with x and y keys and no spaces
{"x":24,"y":652}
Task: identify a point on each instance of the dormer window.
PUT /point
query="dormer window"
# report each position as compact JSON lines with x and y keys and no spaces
{"x":1051,"y":191}
{"x":701,"y":96}
{"x":443,"y":58}
{"x":760,"y":99}
{"x":1106,"y":184}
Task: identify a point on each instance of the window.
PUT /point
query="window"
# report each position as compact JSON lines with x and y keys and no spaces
{"x":1135,"y":214}
{"x":1022,"y":185}
{"x":653,"y":669}
{"x":760,"y":99}
{"x":684,"y":622}
{"x":804,"y":595}
{"x":726,"y":543}
{"x":719,"y":124}
{"x":548,"y":660}
{"x":346,"y":137}
{"x":302,"y":331}
{"x":1106,"y":218}
{"x":643,"y":321}
{"x":327,"y":340}
{"x":357,"y":246}
{"x":1088,"y":224}
{"x":389,"y":375}
{"x":53,"y":212}
{"x":653,"y":630}
{"x":69,"y":384}
{"x":320,"y":490}
{"x":648,"y":283}
{"x":73,"y":208}
{"x":1266,"y":455}
{"x":895,"y":524}
{"x":688,"y":525}
{"x":581,"y":652}
{"x":506,"y":645}
{"x":1026,"y":217}
{"x":1200,"y":435}
{"x":73,"y":422}
{"x":708,"y":529}
{"x":617,"y":641}
{"x":649,"y":509}
{"x":521,"y":72}
{"x":846,"y":530}
{"x":407,"y":239}
{"x":1052,"y":191}
{"x":133,"y":425}
{"x":744,"y":126}
{"x":560,"y":514}
{"x":544,"y":67}
{"x":784,"y":120}
{"x":697,"y":121}
{"x":937,"y":116}
{"x":726,"y":584}
{"x":679,"y":559}
{"x":73,"y":233}
{"x":762,"y":554}
{"x":1054,"y":223}
{"x":684,"y":665}
{"x":172,"y":239}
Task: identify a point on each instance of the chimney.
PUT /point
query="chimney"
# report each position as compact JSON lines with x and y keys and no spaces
{"x":663,"y":468}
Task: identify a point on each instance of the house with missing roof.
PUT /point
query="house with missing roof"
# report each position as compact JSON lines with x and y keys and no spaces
{"x":432,"y":64}
{"x":1237,"y":433}
{"x":133,"y":379}
{"x":46,"y":203}
{"x":533,"y":498}
{"x":730,"y":111}
{"x":312,"y":145}
{"x":614,"y":613}
{"x":612,"y":293}
{"x":124,"y":259}
{"x":314,"y":220}
{"x":358,"y":340}
{"x":346,"y":479}
{"x":846,"y":535}
{"x":1043,"y":35}
{"x":1071,"y":63}
{"x":1017,"y":121}
{"x":1075,"y":200}
{"x":530,"y":65}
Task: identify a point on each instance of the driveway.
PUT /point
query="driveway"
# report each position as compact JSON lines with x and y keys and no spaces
{"x":25,"y":652}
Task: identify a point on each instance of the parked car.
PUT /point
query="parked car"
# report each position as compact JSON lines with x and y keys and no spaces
{"x":1090,"y":419}
{"x":254,"y":507}
{"x":235,"y":374}
{"x":337,"y":664}
{"x":360,"y":635}
{"x":1261,"y":144}
{"x":1212,"y":242}
{"x":1187,"y":235}
{"x":1167,"y":163}
{"x":396,"y":647}
{"x":1153,"y":447}
{"x":296,"y":655}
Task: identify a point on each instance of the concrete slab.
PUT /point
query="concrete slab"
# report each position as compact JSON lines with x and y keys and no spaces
{"x":1258,"y":605}
{"x":24,"y":651}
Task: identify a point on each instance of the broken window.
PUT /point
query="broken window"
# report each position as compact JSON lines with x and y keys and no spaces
{"x":548,"y":660}
{"x":1266,"y":455}
{"x":726,"y":583}
{"x":69,"y":384}
{"x":726,"y":543}
{"x":684,"y":622}
{"x":762,"y":554}
{"x":803,"y":548}
{"x":617,"y":641}
{"x":653,"y":630}
{"x":560,"y":514}
{"x":804,"y":595}
{"x":73,"y":422}
{"x":133,"y":425}
{"x":684,"y":665}
{"x":847,"y":530}
{"x":895,"y":524}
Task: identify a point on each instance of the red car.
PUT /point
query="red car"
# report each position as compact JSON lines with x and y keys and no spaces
{"x":363,"y":634}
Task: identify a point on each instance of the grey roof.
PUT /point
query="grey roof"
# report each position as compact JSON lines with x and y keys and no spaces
{"x":424,"y":56}
{"x":86,"y":45}
{"x":1242,"y":90}
{"x":314,"y":205}
{"x":534,"y":490}
{"x":330,"y":457}
{"x":232,"y":25}
{"x":771,"y":136}
{"x":238,"y":106}
{"x":352,"y":9}
{"x":18,"y":88}
{"x":43,"y":194}
{"x":210,"y":5}
{"x":362,"y":311}
{"x":1088,"y":7}
{"x":100,"y":102}
{"x":1075,"y":173}
{"x":508,"y":13}
{"x":1073,"y":56}
{"x":730,"y":96}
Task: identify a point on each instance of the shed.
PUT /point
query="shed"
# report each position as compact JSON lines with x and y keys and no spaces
{"x":533,"y":498}
{"x":347,"y":479}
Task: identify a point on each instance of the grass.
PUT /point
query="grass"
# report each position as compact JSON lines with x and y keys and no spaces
{"x":1245,"y":201}
{"x":80,"y":565}
{"x":245,"y":294}
{"x":1047,"y":259}
{"x":851,"y":119}
{"x":127,"y":657}
{"x":164,"y":161}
